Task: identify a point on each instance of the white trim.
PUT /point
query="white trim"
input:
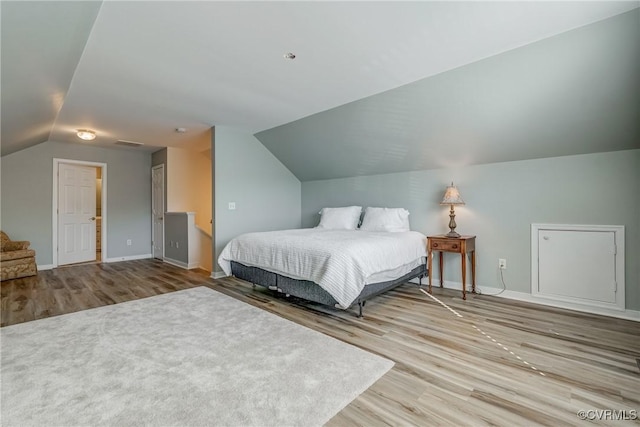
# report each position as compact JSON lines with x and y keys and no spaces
{"x":526,"y":297}
{"x":128,"y":258}
{"x":45,"y":267}
{"x":218,"y":275}
{"x":203,"y":231}
{"x":523,"y":296}
{"x":182,"y":264}
{"x":54,"y":208}
{"x":618,"y":231}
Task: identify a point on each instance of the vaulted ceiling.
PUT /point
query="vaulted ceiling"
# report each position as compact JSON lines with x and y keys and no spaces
{"x":365,"y":77}
{"x":574,"y":93}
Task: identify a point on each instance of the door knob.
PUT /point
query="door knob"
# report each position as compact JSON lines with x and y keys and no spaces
{"x":93,"y":218}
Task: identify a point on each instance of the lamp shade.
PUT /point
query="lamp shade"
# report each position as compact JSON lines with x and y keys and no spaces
{"x":452,"y":196}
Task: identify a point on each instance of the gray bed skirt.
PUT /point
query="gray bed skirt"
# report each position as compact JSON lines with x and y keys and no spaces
{"x":312,"y":291}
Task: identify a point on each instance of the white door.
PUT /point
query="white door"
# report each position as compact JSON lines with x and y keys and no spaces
{"x":76,"y":214}
{"x":157,"y":202}
{"x":577,"y":264}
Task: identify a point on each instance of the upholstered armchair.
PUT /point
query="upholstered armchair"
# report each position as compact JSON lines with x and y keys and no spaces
{"x":16,"y":259}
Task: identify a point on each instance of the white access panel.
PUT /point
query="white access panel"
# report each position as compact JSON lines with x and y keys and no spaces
{"x":579,"y":264}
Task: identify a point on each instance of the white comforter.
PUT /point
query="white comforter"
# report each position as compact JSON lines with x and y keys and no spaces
{"x":340,"y":261}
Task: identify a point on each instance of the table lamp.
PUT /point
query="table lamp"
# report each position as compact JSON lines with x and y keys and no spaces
{"x":452,"y":198}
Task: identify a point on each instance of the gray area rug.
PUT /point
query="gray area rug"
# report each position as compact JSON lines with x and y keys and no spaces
{"x":191,"y":358}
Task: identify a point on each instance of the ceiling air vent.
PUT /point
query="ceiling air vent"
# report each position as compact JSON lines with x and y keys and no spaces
{"x":129,"y":143}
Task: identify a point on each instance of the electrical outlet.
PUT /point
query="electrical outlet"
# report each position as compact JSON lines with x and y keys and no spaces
{"x":232,"y":206}
{"x":128,"y":242}
{"x":502,"y":264}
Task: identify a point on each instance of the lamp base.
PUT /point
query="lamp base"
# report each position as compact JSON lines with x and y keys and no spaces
{"x":452,"y":224}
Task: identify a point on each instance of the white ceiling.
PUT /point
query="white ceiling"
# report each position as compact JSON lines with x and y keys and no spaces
{"x":149,"y":67}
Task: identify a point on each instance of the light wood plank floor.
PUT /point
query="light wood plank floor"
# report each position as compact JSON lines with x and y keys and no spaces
{"x":495,"y":362}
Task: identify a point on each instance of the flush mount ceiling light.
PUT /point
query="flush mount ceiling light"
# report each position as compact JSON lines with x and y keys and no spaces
{"x":289,"y":55}
{"x":86,"y":135}
{"x":181,"y":130}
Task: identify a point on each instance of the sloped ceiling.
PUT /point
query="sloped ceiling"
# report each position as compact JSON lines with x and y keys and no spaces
{"x":575,"y":93}
{"x":41,"y":45}
{"x":138,"y":70}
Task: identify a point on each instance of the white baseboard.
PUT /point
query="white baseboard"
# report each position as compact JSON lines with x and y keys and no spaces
{"x":527,"y":297}
{"x":202,"y":267}
{"x":176,"y":263}
{"x":218,"y":275}
{"x":182,"y":264}
{"x":43,"y":267}
{"x":128,"y":258}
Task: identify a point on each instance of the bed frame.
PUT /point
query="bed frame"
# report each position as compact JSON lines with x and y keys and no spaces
{"x":313,"y":292}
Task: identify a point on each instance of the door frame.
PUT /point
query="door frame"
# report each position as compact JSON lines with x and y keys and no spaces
{"x":54,"y":207}
{"x":164,"y":203}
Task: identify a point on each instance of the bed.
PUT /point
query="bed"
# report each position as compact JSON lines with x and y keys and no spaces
{"x":311,"y":291}
{"x":336,"y":267}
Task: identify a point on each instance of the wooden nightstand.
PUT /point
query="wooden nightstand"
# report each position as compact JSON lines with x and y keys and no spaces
{"x":461,"y":245}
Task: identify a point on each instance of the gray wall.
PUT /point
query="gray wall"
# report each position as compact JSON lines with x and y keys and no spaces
{"x":502,"y":201}
{"x":267,"y":195}
{"x":27,"y":196}
{"x":159,"y":157}
{"x":176,"y":229}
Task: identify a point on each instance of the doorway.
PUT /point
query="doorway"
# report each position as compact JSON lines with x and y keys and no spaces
{"x":79,"y":211}
{"x":157,"y":208}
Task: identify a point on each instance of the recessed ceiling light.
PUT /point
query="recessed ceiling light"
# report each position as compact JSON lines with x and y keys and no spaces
{"x":289,"y":55}
{"x":85,"y":134}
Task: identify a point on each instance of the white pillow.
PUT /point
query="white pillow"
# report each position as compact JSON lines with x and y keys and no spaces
{"x":385,"y":219}
{"x":340,"y":218}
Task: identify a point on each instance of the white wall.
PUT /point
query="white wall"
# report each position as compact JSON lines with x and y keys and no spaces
{"x":203,"y":169}
{"x":188,"y":181}
{"x":266,"y":194}
{"x":502,"y":201}
{"x":27,"y":193}
{"x":189,"y":184}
